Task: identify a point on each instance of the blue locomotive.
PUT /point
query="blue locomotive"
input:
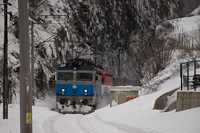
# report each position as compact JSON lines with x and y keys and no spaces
{"x":79,"y":86}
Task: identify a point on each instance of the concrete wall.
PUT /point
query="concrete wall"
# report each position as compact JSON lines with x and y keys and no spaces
{"x":161,"y":102}
{"x":119,"y":95}
{"x":187,"y":100}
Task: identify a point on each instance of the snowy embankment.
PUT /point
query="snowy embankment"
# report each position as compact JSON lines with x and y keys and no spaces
{"x":139,"y":113}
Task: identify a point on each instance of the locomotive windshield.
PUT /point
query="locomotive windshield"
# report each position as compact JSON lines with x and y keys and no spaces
{"x":84,"y":77}
{"x":65,"y":76}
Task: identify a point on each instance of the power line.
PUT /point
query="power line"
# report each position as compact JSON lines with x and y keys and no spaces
{"x":37,"y":6}
{"x":29,"y":12}
{"x":53,"y":15}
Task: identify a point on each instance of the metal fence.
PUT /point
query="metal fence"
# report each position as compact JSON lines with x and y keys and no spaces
{"x":190,"y":80}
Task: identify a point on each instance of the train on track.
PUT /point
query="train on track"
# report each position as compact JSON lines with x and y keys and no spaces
{"x":81,"y":86}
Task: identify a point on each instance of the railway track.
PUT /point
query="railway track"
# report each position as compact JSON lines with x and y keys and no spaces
{"x":78,"y":123}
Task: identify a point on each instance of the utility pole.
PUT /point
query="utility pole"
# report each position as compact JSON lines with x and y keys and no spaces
{"x":25,"y":92}
{"x":32,"y":63}
{"x":5,"y":68}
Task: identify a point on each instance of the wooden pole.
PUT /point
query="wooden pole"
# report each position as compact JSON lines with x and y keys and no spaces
{"x":5,"y":71}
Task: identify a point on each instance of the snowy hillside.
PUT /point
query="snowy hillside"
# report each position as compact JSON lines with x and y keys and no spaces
{"x":108,"y":31}
{"x":185,"y":30}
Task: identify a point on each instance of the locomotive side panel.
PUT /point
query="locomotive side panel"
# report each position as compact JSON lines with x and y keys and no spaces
{"x":107,"y":81}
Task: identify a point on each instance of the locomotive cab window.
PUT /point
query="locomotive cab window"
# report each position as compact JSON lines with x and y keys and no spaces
{"x":84,"y":76}
{"x":65,"y":76}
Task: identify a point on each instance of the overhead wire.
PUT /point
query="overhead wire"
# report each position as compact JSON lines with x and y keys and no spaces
{"x":29,"y":11}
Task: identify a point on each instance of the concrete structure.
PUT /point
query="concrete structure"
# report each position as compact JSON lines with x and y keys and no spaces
{"x":122,"y":94}
{"x":161,"y":102}
{"x":187,"y":100}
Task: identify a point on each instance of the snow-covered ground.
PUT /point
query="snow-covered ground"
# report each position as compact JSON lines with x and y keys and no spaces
{"x":135,"y":116}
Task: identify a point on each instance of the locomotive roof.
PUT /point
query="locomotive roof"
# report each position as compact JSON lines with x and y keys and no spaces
{"x":78,"y":68}
{"x":80,"y":64}
{"x":106,"y":73}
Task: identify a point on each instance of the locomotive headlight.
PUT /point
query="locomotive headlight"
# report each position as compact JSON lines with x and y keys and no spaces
{"x":63,"y":91}
{"x":85,"y":92}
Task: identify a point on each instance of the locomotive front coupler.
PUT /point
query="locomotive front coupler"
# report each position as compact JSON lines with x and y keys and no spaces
{"x":74,"y":104}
